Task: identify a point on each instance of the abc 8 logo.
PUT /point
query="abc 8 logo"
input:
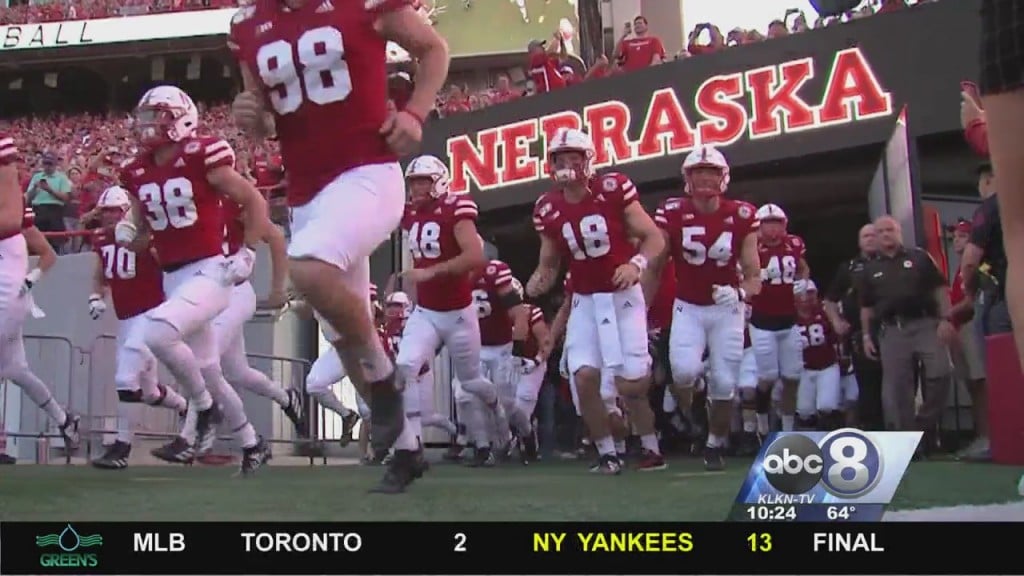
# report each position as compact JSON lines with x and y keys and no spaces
{"x":848,"y":464}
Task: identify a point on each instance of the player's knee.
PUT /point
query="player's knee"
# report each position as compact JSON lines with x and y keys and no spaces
{"x":481,"y":388}
{"x":748,"y":397}
{"x":317,"y":384}
{"x":633,"y":387}
{"x":686,"y":370}
{"x":129,"y":396}
{"x":719,"y":391}
{"x":160,"y":334}
{"x":767,"y":376}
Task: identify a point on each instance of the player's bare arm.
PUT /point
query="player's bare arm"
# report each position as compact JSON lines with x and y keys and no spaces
{"x":471,"y":251}
{"x":543,"y":278}
{"x":255,"y":213}
{"x":558,"y":323}
{"x":518,"y":312}
{"x":410,"y":31}
{"x":639,"y":225}
{"x":543,"y":336}
{"x":250,"y":108}
{"x":750,"y":265}
{"x":803,"y":271}
{"x":970,"y":260}
{"x":39,"y":246}
{"x":12,"y":208}
{"x":278,"y":267}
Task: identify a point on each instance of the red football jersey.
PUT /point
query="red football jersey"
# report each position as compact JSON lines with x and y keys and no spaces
{"x":531,"y":347}
{"x":183,"y":209}
{"x":706,"y":247}
{"x":591,"y":233}
{"x":8,"y":150}
{"x":234,"y":226}
{"x":779,"y":265}
{"x":28,"y":218}
{"x":135,"y":278}
{"x":323,"y":69}
{"x":567,"y":285}
{"x":391,"y":337}
{"x":495,"y":325}
{"x":819,"y":341}
{"x":659,"y":315}
{"x":430,"y":235}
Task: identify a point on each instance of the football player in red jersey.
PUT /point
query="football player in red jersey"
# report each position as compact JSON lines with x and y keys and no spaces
{"x":819,"y":401}
{"x":590,"y":220}
{"x":709,"y":236}
{"x":315,"y":75}
{"x":17,"y":242}
{"x":532,"y":360}
{"x":504,"y":325}
{"x":784,"y":272}
{"x":440,"y":232}
{"x":176,"y":183}
{"x":134,"y":281}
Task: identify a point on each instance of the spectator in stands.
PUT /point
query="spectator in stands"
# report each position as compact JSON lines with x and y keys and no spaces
{"x":602,"y":68}
{"x":503,"y":91}
{"x":641,"y":49}
{"x":891,"y":6}
{"x":777,"y":29}
{"x":544,"y":62}
{"x":456,"y":101}
{"x":570,"y":76}
{"x":715,"y":42}
{"x":49,"y":192}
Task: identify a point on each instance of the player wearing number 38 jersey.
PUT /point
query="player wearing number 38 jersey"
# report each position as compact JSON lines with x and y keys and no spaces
{"x":709,"y":236}
{"x":590,"y":221}
{"x":176,"y":182}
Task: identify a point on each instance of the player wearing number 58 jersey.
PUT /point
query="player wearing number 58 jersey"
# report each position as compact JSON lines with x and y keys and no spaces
{"x":315,"y":73}
{"x":440,"y":233}
{"x":820,"y":391}
{"x":709,"y":237}
{"x":134,"y":281}
{"x":589,"y":221}
{"x":784,"y":274}
{"x":176,"y":182}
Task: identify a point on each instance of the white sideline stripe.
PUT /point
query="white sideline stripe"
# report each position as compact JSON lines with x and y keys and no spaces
{"x":1007,"y":512}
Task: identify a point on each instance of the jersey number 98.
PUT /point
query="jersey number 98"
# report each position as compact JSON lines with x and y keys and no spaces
{"x":324,"y":76}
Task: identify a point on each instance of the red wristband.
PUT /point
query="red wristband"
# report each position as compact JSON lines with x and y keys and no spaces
{"x":418,"y":118}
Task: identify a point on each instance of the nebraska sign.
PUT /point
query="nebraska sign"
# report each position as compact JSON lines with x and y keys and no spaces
{"x":757,"y":104}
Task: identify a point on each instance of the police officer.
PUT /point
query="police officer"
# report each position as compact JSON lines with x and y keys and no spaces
{"x":905,"y":292}
{"x":842,"y":305}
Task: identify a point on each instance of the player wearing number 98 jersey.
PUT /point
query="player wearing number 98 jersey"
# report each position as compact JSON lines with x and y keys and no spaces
{"x":590,"y":221}
{"x":134,"y":281}
{"x":176,"y":182}
{"x":709,"y":237}
{"x":784,"y":274}
{"x":440,"y":232}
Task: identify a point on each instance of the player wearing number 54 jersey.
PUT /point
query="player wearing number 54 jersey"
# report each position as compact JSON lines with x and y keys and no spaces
{"x":709,"y":236}
{"x":784,"y":273}
{"x":590,"y":221}
{"x":440,"y":232}
{"x":176,"y":182}
{"x":315,"y":73}
{"x":134,"y":281}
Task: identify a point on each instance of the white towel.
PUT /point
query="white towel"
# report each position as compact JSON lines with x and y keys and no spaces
{"x":33,"y":310}
{"x":607,"y":330}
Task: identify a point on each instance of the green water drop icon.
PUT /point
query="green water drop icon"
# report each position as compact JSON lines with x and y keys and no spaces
{"x":68,"y":540}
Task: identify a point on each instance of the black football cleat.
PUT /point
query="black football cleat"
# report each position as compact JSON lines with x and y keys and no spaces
{"x":348,"y":424}
{"x":115,"y":458}
{"x":294,"y":411}
{"x":7,"y":459}
{"x":69,"y":431}
{"x":400,"y":473}
{"x":206,"y":429}
{"x":254,"y":457}
{"x":714,"y":458}
{"x":749,"y":445}
{"x":608,"y":465}
{"x":528,"y":449}
{"x":482,"y":458}
{"x":387,"y":414}
{"x":177,"y":451}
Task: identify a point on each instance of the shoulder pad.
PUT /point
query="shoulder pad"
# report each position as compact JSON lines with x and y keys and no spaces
{"x":193,"y":147}
{"x":745,"y":210}
{"x":243,"y":14}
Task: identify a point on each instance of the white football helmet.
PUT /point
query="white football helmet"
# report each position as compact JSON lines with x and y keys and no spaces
{"x":773,"y":222}
{"x":431,"y":168}
{"x":705,"y":157}
{"x":114,"y":197}
{"x":570,"y":140}
{"x":165,"y":114}
{"x":771,"y":212}
{"x":518,"y":287}
{"x":400,"y":299}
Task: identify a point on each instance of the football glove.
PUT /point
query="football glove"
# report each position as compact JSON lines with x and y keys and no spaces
{"x":96,"y":306}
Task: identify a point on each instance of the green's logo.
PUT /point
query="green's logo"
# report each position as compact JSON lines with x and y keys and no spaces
{"x":71,"y":546}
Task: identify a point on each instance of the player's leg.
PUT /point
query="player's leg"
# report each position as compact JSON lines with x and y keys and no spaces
{"x":633,"y":379}
{"x":791,"y":363}
{"x":327,"y":371}
{"x":527,"y":392}
{"x":496,"y":364}
{"x":229,"y":331}
{"x":332,"y":239}
{"x":461,"y":334}
{"x":754,"y":424}
{"x":725,"y":346}
{"x":829,"y":400}
{"x":618,"y":424}
{"x":585,"y":364}
{"x":430,"y":416}
{"x":807,"y":400}
{"x":766,"y":356}
{"x":687,"y":342}
{"x":851,"y":396}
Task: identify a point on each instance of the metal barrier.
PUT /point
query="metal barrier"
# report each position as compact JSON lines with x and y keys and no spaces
{"x":293,"y":377}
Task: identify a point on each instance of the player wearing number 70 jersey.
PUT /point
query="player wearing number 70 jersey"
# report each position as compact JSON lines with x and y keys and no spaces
{"x":440,"y":232}
{"x":134,"y":281}
{"x":708,"y":237}
{"x":176,"y":182}
{"x":589,"y":221}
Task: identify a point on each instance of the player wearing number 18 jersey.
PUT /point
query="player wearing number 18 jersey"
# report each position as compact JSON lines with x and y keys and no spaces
{"x":440,"y":232}
{"x":589,"y":221}
{"x":709,"y":236}
{"x":135,"y":283}
{"x":784,"y":274}
{"x":176,"y":182}
{"x":318,"y":69}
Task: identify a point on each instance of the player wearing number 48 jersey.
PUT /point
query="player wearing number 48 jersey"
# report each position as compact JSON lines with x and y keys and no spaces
{"x":176,"y":183}
{"x":440,"y":232}
{"x":134,"y":281}
{"x":315,"y":74}
{"x":776,"y":342}
{"x":709,"y":236}
{"x":590,"y":221}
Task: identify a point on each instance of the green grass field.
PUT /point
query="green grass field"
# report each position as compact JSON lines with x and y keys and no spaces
{"x":495,"y":26}
{"x":546,"y":491}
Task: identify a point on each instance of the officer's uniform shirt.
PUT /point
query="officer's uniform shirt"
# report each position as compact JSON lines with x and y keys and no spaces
{"x":901,"y":286}
{"x":846,"y":287}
